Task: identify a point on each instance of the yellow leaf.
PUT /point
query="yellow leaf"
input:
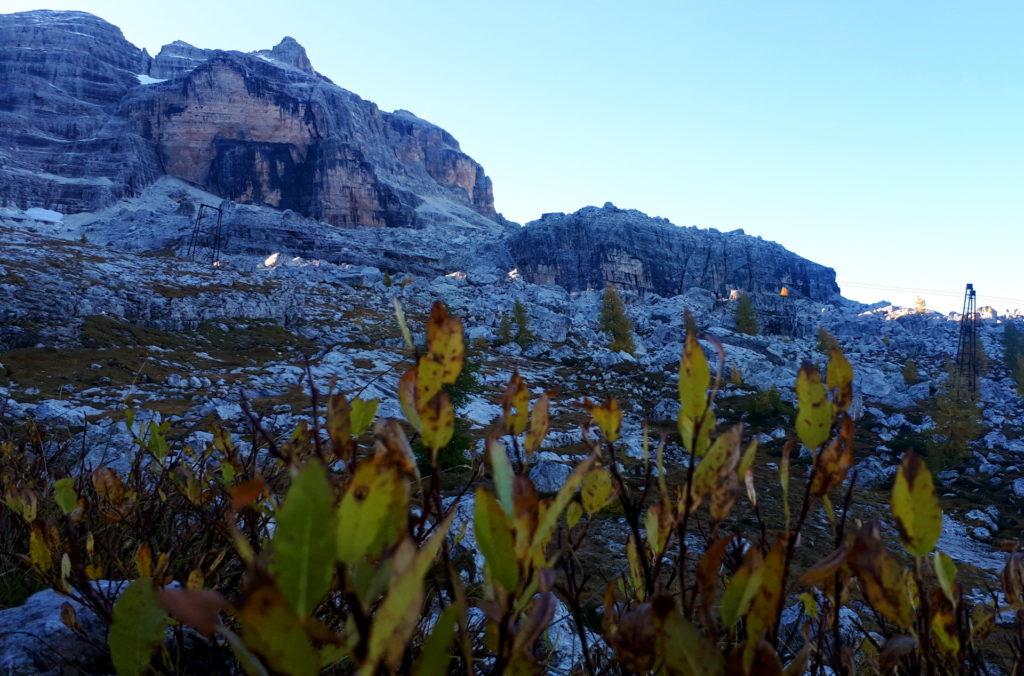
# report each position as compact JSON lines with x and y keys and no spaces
{"x":765,"y":605}
{"x":515,"y":402}
{"x":810,"y":605}
{"x":694,"y":378}
{"x":944,"y":625}
{"x":691,"y":432}
{"x":538,"y":425}
{"x":438,"y":419}
{"x":814,"y":412}
{"x":196,"y":579}
{"x":717,"y":474}
{"x":833,"y":461}
{"x":916,"y":506}
{"x":635,"y":577}
{"x":658,"y":524}
{"x":39,"y":548}
{"x":840,"y":379}
{"x":108,"y":485}
{"x":144,"y":560}
{"x":608,"y":417}
{"x":407,"y":399}
{"x":445,"y":354}
{"x":883,"y":581}
{"x":597,"y":490}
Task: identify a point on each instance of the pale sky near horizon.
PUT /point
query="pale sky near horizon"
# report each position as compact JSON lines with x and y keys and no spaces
{"x":885,"y":140}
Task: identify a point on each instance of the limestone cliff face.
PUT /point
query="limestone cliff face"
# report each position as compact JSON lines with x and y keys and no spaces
{"x":595,"y":246}
{"x":261,"y":128}
{"x":62,"y":144}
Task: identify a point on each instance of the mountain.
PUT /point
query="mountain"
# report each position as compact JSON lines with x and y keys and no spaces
{"x":331,"y":210}
{"x":87,"y":118}
{"x":597,"y":246}
{"x":91,"y":124}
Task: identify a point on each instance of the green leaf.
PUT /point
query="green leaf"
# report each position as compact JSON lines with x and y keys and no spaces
{"x":573,"y":514}
{"x":371,"y":510}
{"x":916,"y":506}
{"x":435,"y":655}
{"x":156,"y":442}
{"x":395,"y":620}
{"x":304,"y":540}
{"x":496,"y":540}
{"x":137,"y":629}
{"x":945,"y":571}
{"x":64,"y":494}
{"x":249,"y":662}
{"x":272,"y":630}
{"x":501,"y":472}
{"x":549,"y":520}
{"x":362,"y":413}
{"x":686,"y":650}
{"x":814,"y":412}
{"x":742,"y":587}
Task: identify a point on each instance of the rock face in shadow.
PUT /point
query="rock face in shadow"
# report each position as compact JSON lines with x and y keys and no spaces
{"x":260,"y":128}
{"x":596,"y":246}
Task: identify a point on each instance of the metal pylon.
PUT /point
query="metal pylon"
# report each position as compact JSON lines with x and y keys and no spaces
{"x":967,"y":344}
{"x":211,"y":237}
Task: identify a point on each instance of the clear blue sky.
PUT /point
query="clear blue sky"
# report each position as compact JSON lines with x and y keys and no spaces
{"x":885,"y":139}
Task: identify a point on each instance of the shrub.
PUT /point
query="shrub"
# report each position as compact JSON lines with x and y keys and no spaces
{"x":504,"y":330}
{"x":387,"y":280}
{"x":957,"y":422}
{"x":826,"y":341}
{"x":524,"y":337}
{"x":910,"y":374}
{"x":333,"y":553}
{"x":746,"y":316}
{"x":615,"y":321}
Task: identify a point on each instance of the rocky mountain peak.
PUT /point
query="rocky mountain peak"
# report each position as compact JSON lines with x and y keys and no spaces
{"x":291,"y":53}
{"x":86,"y":121}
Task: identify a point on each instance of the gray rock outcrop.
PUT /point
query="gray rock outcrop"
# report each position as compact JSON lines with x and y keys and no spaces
{"x":595,"y":246}
{"x":62,"y":143}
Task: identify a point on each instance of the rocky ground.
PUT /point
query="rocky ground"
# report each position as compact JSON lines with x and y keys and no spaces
{"x":93,"y":329}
